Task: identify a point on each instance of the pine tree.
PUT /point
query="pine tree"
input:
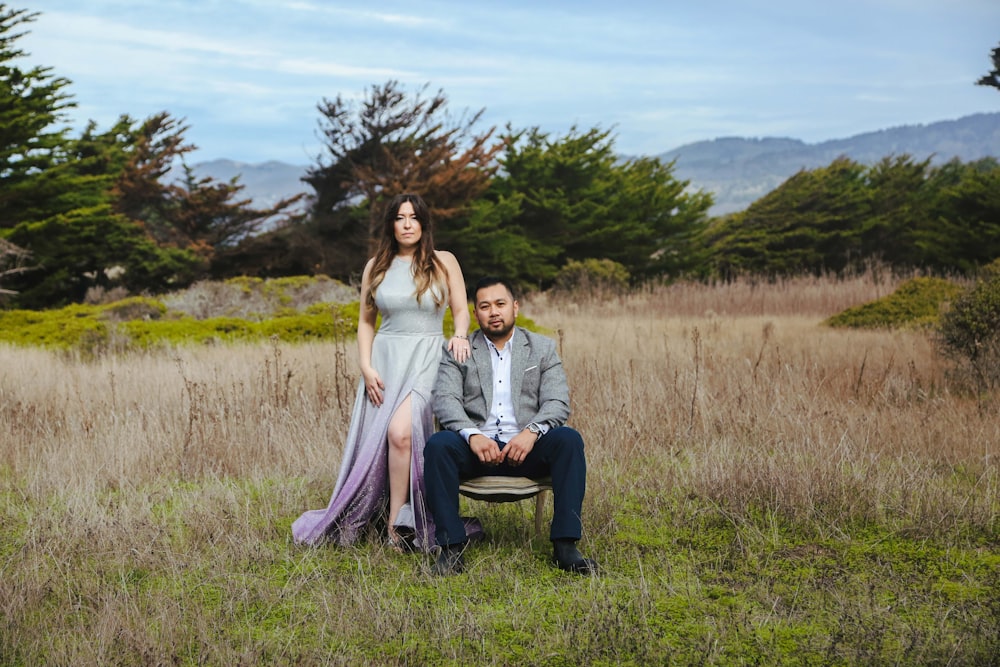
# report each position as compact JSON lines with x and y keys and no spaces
{"x":32,"y":102}
{"x":571,"y":198}
{"x":57,"y":193}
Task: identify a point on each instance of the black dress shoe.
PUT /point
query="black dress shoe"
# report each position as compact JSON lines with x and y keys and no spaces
{"x":569,"y":558}
{"x":450,"y":561}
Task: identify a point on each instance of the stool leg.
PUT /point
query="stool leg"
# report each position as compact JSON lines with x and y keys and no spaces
{"x":539,"y":511}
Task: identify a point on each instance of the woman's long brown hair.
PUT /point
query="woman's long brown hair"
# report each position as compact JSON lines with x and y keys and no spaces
{"x":428,"y":272}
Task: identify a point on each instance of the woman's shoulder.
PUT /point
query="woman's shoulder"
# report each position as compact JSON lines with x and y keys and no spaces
{"x":448,"y":259}
{"x":445,"y":256}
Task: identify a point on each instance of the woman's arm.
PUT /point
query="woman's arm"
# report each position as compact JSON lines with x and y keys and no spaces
{"x":367,"y":316}
{"x":458,"y":344}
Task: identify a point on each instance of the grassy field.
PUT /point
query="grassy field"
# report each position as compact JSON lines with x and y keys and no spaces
{"x":762,"y":490}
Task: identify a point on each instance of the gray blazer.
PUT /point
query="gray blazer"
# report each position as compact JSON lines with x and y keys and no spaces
{"x":463,"y":392}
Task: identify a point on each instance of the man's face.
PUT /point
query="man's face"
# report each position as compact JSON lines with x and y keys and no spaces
{"x":496,"y":311}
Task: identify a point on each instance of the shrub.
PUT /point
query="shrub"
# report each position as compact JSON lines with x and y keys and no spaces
{"x":65,"y":328}
{"x":969,"y":332}
{"x":592,"y":278}
{"x":917,"y":302}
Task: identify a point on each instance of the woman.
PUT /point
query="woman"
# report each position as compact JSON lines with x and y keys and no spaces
{"x":410,"y":284}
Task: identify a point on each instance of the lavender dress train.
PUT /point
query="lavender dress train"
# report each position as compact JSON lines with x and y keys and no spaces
{"x":406,"y":351}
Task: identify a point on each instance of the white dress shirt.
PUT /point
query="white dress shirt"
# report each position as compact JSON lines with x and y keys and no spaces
{"x":500,"y":424}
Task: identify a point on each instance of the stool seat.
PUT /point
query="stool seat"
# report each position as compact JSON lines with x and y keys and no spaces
{"x":504,"y":489}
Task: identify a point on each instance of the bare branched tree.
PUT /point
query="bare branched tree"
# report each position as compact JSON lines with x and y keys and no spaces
{"x":394,"y":141}
{"x":13,"y":260}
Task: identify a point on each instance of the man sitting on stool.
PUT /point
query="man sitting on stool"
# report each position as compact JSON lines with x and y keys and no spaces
{"x":503,"y":412}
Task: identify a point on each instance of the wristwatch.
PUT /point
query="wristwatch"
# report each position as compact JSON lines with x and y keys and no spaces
{"x":536,"y":429}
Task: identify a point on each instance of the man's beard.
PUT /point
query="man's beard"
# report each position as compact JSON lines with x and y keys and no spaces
{"x":498,"y":334}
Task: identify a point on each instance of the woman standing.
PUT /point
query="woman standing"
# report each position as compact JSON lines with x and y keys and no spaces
{"x":410,"y":284}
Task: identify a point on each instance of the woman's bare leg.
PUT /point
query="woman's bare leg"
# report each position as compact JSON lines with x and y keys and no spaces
{"x":400,"y":434}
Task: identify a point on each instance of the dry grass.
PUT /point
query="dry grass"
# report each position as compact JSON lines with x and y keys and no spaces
{"x":781,"y":414}
{"x":756,"y":482}
{"x":82,"y":428}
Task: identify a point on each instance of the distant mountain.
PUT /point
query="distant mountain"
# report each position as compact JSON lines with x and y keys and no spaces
{"x":737,"y":170}
{"x":265,"y":183}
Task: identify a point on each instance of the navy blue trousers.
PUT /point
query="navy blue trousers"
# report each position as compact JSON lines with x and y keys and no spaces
{"x":559,"y":454}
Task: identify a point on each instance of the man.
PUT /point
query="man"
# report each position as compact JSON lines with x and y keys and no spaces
{"x":503,"y":412}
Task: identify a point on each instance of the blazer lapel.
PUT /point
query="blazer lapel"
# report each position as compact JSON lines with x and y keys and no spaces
{"x":518,"y":362}
{"x":484,"y":367}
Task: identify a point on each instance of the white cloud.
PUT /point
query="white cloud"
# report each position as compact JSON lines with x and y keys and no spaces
{"x":75,"y":29}
{"x":365,"y":16}
{"x":308,"y":66}
{"x":662,"y":73}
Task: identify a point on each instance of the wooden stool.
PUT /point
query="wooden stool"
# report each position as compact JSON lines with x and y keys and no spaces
{"x":504,"y":489}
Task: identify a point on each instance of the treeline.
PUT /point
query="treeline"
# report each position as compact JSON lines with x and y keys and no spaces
{"x":843,"y":218}
{"x":96,"y":210}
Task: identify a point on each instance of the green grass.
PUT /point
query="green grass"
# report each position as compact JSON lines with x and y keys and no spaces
{"x":205,"y":573}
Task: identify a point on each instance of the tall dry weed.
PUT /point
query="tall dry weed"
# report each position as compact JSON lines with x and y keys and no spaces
{"x":148,"y":498}
{"x":777,"y":413}
{"x":732,"y":393}
{"x":76,"y":427}
{"x":745,"y":296}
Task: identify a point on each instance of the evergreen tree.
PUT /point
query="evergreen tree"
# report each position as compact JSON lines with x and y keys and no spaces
{"x":81,"y":241}
{"x":573,"y":198}
{"x":76,"y":205}
{"x":845,"y":217}
{"x":901,"y":197}
{"x":32,"y":102}
{"x":811,"y":223}
{"x":42,"y":188}
{"x":963,"y":232}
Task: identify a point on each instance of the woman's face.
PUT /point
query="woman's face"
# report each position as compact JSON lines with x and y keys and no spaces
{"x":407,"y":228}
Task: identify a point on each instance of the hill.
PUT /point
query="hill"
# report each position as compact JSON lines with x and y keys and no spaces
{"x":266,"y":183}
{"x":740,"y":170}
{"x":737,"y":170}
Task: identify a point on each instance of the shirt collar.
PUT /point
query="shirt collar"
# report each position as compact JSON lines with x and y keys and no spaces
{"x":513,"y":335}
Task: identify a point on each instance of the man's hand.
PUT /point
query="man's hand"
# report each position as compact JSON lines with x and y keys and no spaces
{"x":486,"y":449}
{"x":518,"y":448}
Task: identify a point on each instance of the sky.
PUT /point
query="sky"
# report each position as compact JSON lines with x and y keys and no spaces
{"x":247,"y":76}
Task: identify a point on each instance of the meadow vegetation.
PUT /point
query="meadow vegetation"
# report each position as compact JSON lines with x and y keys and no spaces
{"x":918,"y":302}
{"x":762,"y":489}
{"x":293,"y":310}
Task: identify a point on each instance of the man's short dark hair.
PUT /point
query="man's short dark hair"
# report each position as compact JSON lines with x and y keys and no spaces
{"x":490,"y":281}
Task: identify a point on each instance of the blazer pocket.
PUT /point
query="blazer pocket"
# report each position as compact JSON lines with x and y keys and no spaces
{"x":531,"y":382}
